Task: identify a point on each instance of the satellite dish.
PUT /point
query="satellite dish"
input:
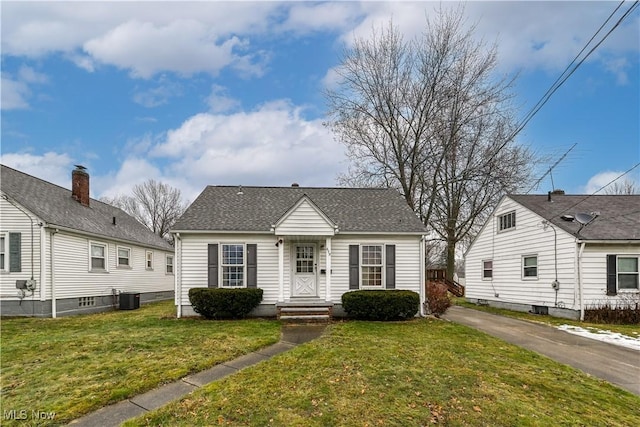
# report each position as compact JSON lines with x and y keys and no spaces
{"x":584,"y":218}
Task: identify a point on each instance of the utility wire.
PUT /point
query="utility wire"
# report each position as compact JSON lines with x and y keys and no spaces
{"x":604,"y":186}
{"x":560,"y":81}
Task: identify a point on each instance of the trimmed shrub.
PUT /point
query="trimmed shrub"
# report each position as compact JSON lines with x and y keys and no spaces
{"x":622,"y":312}
{"x":217,"y":303}
{"x":381,"y":304}
{"x":438,"y":300}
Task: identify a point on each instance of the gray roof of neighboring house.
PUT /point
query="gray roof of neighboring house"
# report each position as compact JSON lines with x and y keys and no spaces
{"x":55,"y":206}
{"x":257,"y":209}
{"x":618,"y":219}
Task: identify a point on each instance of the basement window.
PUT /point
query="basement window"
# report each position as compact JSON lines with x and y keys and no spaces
{"x":86,"y":302}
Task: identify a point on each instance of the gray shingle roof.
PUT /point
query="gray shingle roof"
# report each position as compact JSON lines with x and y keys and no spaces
{"x":619,"y":217}
{"x":55,"y":206}
{"x":221,"y":208}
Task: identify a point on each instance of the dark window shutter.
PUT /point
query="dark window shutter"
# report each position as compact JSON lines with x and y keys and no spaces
{"x":212,"y":271}
{"x":612,"y":281}
{"x":15,"y":252}
{"x":252,"y":266}
{"x":354,"y":267}
{"x":390,"y":266}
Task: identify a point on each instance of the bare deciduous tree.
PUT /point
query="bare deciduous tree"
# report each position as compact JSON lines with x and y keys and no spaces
{"x":430,"y":118}
{"x":626,"y":187}
{"x":154,"y":204}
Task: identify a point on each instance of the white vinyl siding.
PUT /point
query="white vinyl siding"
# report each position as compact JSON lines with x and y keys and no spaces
{"x":304,"y":221}
{"x":506,"y":251}
{"x":192,"y":265}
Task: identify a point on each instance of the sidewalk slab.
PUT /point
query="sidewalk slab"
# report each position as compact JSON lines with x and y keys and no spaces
{"x":276,"y":349}
{"x":161,"y":396}
{"x":109,"y":416}
{"x":246,"y":360}
{"x":212,"y":374}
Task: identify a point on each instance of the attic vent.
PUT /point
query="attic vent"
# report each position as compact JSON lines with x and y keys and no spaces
{"x":295,"y":184}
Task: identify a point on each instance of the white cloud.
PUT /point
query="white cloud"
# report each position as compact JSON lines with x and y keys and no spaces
{"x":51,"y":166}
{"x":158,"y":95}
{"x":219,"y":102}
{"x":14,"y":94}
{"x":601,"y":179}
{"x":273,"y":145}
{"x":29,"y":75}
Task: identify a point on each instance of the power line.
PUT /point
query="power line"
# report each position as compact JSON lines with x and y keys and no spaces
{"x":604,"y":186}
{"x":563,"y":78}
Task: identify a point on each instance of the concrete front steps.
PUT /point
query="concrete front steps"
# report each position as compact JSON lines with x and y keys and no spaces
{"x":305,"y":311}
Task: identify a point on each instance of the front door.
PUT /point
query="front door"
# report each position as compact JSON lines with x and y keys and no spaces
{"x":304,"y":270}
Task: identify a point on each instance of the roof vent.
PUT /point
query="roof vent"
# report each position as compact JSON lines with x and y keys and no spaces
{"x":295,"y":184}
{"x":558,"y":192}
{"x":240,"y":192}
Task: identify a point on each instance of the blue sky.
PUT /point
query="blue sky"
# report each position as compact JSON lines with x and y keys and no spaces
{"x":231,"y":92}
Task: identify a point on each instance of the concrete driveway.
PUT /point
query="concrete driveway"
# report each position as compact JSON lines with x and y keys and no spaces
{"x":616,"y":364}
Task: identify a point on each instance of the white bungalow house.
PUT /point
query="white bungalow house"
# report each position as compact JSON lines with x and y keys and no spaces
{"x":63,"y":253}
{"x":557,"y":254}
{"x":304,"y":247}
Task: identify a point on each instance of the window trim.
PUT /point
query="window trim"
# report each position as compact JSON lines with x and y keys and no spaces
{"x":166,"y":264}
{"x":382,"y":265}
{"x":129,"y":264}
{"x":484,"y":269}
{"x":146,"y":260}
{"x":636,"y":273}
{"x":537,"y":267}
{"x":512,"y":225}
{"x":5,"y":251}
{"x":105,"y":256}
{"x":223,"y":265}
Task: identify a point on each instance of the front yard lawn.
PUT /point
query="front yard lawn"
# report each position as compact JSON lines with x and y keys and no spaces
{"x":413,"y":373}
{"x":74,"y":365}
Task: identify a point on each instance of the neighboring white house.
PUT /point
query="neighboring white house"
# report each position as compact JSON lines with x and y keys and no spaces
{"x":557,"y":253}
{"x":302,"y":246}
{"x":63,"y":253}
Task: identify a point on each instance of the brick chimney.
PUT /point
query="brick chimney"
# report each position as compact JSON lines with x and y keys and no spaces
{"x":80,"y":185}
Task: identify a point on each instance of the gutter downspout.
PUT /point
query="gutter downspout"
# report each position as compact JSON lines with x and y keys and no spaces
{"x":422,"y":282}
{"x":43,"y":263}
{"x":53,"y":275}
{"x":178,"y":272}
{"x":580,"y":287}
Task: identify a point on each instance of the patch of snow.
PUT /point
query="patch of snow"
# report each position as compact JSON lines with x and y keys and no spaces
{"x":603,"y":335}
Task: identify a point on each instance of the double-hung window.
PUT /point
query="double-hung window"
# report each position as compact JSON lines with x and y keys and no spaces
{"x":487,"y":269}
{"x":124,"y":257}
{"x":98,"y":256}
{"x":232,"y":265}
{"x":627,"y":272}
{"x":507,"y":221}
{"x":149,"y":260}
{"x":530,"y":266}
{"x":371,"y":265}
{"x":3,"y":252}
{"x":169,"y":269}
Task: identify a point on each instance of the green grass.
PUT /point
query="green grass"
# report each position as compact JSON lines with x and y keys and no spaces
{"x":413,"y":373}
{"x":74,"y":365}
{"x":629,"y":330}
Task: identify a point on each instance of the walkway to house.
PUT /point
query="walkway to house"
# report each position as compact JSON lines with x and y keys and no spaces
{"x":116,"y":414}
{"x":616,"y":364}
